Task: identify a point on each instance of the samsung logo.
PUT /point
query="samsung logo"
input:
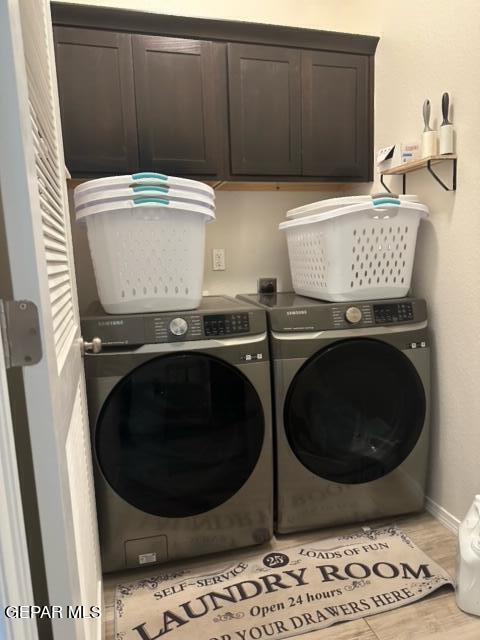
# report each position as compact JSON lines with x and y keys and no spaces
{"x":109,"y":323}
{"x":297,"y":312}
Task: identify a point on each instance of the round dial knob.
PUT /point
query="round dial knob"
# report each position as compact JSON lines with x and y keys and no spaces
{"x":178,"y":326}
{"x":353,"y":315}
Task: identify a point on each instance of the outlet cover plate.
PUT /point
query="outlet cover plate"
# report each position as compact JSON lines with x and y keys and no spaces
{"x":218,"y":259}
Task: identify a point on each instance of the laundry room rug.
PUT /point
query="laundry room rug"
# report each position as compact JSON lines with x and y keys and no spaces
{"x":279,"y":594}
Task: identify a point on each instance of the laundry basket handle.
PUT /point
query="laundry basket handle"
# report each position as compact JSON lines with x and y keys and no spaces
{"x":146,"y":187}
{"x":149,"y":174}
{"x":152,"y":200}
{"x":386,"y":201}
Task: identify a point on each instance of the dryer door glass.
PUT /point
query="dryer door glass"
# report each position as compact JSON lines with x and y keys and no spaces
{"x":355,"y":411}
{"x":180,"y":434}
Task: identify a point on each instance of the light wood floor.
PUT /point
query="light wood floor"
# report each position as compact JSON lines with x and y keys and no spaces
{"x":434,"y":618}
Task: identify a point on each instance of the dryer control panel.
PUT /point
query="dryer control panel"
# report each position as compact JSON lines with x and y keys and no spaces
{"x":390,"y":313}
{"x":305,"y":315}
{"x":365,"y":314}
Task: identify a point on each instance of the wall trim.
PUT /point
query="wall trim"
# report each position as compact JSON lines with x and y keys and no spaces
{"x":442,"y":515}
{"x":90,"y":17}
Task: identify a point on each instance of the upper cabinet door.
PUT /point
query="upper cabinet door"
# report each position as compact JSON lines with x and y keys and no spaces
{"x":179,"y":120}
{"x":335,"y":115}
{"x":97,"y":102}
{"x":264,"y":99}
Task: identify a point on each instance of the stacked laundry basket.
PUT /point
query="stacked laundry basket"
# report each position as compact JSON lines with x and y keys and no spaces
{"x":146,"y":233}
{"x":355,"y":248}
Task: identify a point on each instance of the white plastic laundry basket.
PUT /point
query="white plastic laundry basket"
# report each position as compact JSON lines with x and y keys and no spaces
{"x":147,"y":253}
{"x":358,"y":252}
{"x":111,"y":196}
{"x":331,"y":204}
{"x":145,"y":178}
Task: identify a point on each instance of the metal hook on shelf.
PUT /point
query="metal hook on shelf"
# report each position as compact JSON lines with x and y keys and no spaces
{"x":439,"y":180}
{"x":404,"y":183}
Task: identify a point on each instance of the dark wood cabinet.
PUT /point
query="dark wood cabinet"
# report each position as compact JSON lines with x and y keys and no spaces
{"x":180,"y":124}
{"x":335,"y":115}
{"x":298,"y":113}
{"x":213,"y":99}
{"x":264,"y":107}
{"x":97,"y":100}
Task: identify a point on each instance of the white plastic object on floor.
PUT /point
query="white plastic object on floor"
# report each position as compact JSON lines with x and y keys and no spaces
{"x":468,"y":563}
{"x":111,"y":196}
{"x":148,"y":254}
{"x":358,"y":252}
{"x":330,"y":204}
{"x":143,"y":178}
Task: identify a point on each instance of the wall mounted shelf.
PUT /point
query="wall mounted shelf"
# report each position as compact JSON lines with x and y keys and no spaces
{"x":423,"y":163}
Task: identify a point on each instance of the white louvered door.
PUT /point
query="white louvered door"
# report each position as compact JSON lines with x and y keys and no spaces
{"x":35,"y":205}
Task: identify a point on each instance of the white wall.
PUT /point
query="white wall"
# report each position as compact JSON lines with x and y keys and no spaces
{"x":247,"y":227}
{"x":326,"y":14}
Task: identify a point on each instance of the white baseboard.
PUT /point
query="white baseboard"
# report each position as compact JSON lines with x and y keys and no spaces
{"x":442,"y":515}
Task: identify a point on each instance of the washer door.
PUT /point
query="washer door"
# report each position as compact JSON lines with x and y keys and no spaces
{"x":180,"y":434}
{"x":355,"y":411}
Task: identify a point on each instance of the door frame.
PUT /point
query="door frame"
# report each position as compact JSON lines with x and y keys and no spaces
{"x":15,"y":575}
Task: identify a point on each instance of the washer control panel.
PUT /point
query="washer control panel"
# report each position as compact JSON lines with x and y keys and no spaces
{"x":353,"y":315}
{"x":226,"y":324}
{"x":216,"y":316}
{"x":347,"y":315}
{"x":163,"y":328}
{"x":178,"y":326}
{"x":389,"y":313}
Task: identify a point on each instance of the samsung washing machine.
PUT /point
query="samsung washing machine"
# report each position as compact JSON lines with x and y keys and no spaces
{"x":351,"y":387}
{"x":180,"y":413}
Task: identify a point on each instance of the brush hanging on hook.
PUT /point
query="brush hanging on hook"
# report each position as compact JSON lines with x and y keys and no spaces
{"x":446,"y":128}
{"x":429,"y":137}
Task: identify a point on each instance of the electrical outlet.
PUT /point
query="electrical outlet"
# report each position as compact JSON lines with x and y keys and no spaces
{"x":267,"y":285}
{"x":218,"y":259}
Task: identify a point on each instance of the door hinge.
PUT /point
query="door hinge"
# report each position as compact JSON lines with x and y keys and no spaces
{"x":20,"y":333}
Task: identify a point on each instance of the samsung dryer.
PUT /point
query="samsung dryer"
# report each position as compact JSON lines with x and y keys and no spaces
{"x":180,"y":413}
{"x":351,"y":387}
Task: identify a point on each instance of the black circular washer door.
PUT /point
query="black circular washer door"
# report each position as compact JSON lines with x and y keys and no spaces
{"x":355,"y":411}
{"x":180,"y":434}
